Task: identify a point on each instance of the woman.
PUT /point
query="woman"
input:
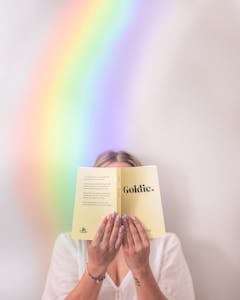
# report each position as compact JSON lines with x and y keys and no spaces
{"x":120,"y":262}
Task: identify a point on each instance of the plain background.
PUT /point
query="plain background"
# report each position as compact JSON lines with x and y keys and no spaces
{"x":185,"y":105}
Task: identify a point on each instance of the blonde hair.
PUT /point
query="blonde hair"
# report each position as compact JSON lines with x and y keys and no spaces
{"x":110,"y":156}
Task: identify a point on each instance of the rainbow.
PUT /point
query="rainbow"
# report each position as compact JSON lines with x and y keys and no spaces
{"x":74,"y":107}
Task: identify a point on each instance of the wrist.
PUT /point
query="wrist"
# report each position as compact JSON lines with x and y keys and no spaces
{"x":95,"y":270}
{"x":97,"y":279}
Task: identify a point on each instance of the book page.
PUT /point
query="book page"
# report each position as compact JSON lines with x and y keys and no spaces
{"x":140,"y":197}
{"x":96,"y":197}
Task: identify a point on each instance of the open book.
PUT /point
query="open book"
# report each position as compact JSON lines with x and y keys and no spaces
{"x":133,"y":191}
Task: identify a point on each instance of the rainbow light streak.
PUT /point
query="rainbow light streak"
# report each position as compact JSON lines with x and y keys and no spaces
{"x":75,"y":104}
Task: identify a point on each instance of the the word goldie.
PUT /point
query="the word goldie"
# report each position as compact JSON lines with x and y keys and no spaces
{"x":141,"y":188}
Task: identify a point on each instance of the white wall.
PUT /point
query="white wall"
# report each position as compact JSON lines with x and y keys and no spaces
{"x":185,"y":116}
{"x":23,"y":27}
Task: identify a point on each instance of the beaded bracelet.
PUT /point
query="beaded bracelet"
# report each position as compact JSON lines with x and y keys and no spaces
{"x":98,"y":279}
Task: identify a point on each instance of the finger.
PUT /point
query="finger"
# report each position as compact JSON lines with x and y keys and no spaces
{"x":129,"y":238}
{"x":119,"y":238}
{"x":108,"y":229}
{"x":114,"y":234}
{"x":124,"y":240}
{"x":142,"y":232}
{"x":99,"y":234}
{"x":134,"y":232}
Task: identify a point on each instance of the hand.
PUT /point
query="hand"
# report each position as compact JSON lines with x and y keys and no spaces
{"x":136,"y":245}
{"x":105,"y":245}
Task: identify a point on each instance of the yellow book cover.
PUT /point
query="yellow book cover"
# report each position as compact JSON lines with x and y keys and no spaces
{"x":127,"y":190}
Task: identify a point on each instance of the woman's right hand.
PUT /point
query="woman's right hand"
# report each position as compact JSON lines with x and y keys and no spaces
{"x":105,"y":245}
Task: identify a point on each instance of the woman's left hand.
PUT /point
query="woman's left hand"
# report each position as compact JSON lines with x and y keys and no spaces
{"x":136,"y":245}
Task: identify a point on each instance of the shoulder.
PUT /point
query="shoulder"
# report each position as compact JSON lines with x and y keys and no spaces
{"x":65,"y":238}
{"x":169,"y":243}
{"x":171,"y":240}
{"x":162,"y":251}
{"x":64,"y":242}
{"x":167,"y":250}
{"x":168,"y":240}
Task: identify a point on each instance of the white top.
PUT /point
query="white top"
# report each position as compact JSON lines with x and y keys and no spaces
{"x":167,"y":262}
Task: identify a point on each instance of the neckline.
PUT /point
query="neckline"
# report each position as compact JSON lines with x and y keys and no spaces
{"x":122,"y":283}
{"x":108,"y":277}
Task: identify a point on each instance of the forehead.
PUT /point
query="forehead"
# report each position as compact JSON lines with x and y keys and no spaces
{"x":117,"y":164}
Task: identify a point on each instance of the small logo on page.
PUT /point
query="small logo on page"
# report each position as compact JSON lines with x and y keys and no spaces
{"x":83,"y":230}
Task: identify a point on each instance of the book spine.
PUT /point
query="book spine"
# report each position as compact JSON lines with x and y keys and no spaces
{"x":119,"y":191}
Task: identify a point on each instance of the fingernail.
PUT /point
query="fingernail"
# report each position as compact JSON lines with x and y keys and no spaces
{"x":111,"y":215}
{"x":121,"y":228}
{"x":124,"y":217}
{"x":117,"y":218}
{"x":133,"y":218}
